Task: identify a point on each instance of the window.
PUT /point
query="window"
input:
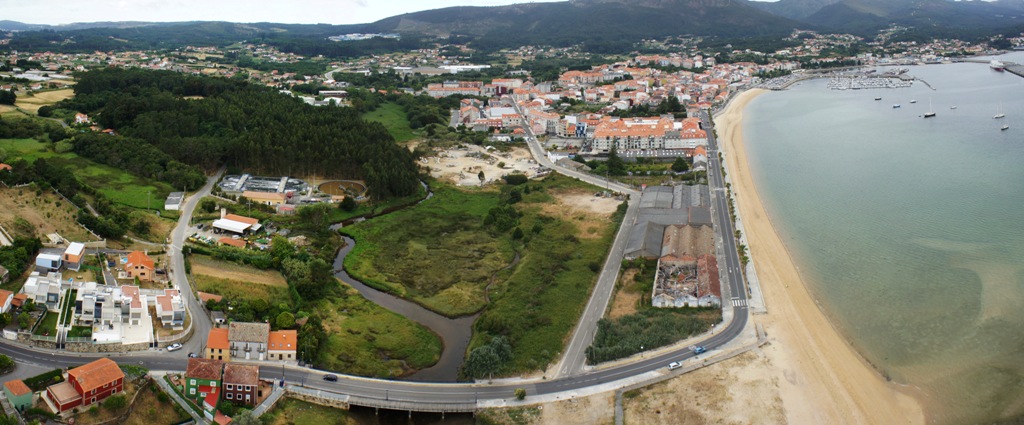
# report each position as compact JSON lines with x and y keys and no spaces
{"x":114,"y":391}
{"x":106,"y":385}
{"x":289,"y":356}
{"x":192,"y":391}
{"x":231,"y":386}
{"x":230,"y":396}
{"x":193,"y":382}
{"x":93,"y":400}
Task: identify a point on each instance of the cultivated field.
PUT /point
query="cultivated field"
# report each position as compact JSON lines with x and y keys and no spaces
{"x":43,"y":98}
{"x":236,"y":281}
{"x":202,"y":264}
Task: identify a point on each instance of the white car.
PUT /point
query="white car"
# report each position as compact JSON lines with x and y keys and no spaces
{"x":174,"y":347}
{"x":674,"y":365}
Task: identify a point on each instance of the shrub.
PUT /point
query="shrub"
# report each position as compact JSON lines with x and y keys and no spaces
{"x":520,"y":393}
{"x":515,"y":179}
{"x":116,"y":402}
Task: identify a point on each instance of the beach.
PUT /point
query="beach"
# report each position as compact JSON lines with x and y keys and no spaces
{"x":821,"y":378}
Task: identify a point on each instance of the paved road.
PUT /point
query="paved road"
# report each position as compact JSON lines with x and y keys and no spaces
{"x":434,"y":395}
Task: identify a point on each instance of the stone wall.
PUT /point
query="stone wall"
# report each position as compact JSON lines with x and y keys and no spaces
{"x":312,"y":397}
{"x":89,"y":347}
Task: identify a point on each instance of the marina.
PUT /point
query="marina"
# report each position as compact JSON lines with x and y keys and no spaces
{"x":862,"y":82}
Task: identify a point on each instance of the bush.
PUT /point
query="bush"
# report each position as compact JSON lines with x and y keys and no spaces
{"x":515,"y":179}
{"x":116,"y":402}
{"x":520,"y":393}
{"x":6,"y":364}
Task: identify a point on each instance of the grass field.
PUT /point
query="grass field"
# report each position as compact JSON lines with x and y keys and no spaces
{"x":49,"y":325}
{"x":437,"y":253}
{"x":204,"y":265}
{"x":367,"y":340}
{"x":118,"y":185}
{"x":440,"y":255}
{"x":241,"y":289}
{"x":290,"y":411}
{"x":39,"y":99}
{"x":393,"y":117}
{"x":45,"y":213}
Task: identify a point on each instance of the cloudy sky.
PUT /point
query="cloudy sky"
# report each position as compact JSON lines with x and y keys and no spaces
{"x":304,"y":12}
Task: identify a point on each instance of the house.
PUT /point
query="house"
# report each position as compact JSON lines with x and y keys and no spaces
{"x":18,"y":394}
{"x":170,"y":308}
{"x":139,"y":265}
{"x":202,"y":378}
{"x":283,"y":345}
{"x":48,"y":262}
{"x":217,"y":345}
{"x":241,"y":383}
{"x":81,"y":118}
{"x":133,"y":305}
{"x":236,"y":224}
{"x":6,"y":298}
{"x":248,"y":340}
{"x":87,"y":385}
{"x":43,"y":290}
{"x":173,"y":201}
{"x":73,"y":256}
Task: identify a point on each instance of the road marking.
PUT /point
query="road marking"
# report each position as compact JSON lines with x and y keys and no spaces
{"x":739,"y":303}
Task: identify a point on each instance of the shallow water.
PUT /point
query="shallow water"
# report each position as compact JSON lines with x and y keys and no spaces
{"x":909,"y":230}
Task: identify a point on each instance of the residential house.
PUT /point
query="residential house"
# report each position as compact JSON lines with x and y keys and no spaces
{"x":81,"y":118}
{"x":241,"y":383}
{"x":18,"y":394}
{"x":283,"y":345}
{"x":217,"y":345}
{"x":74,"y":255}
{"x":48,"y":262}
{"x":202,"y":378}
{"x":248,"y":340}
{"x":87,"y":385}
{"x":6,"y":298}
{"x":133,"y":305}
{"x":170,"y":308}
{"x":139,"y":265}
{"x":43,"y":290}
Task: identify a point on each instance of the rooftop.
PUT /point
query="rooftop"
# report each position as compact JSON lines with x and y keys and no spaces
{"x":248,"y":332}
{"x":244,"y":374}
{"x":199,"y":368}
{"x":139,"y":258}
{"x":283,"y":340}
{"x":218,"y":339}
{"x":64,"y":392}
{"x":96,"y":374}
{"x":17,"y":387}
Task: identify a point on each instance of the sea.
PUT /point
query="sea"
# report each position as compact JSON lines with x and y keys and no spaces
{"x":909,"y":230}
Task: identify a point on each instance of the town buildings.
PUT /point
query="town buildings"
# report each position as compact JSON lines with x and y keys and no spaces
{"x":170,"y":309}
{"x":248,"y":340}
{"x":18,"y":394}
{"x":217,"y":345}
{"x":241,"y":383}
{"x":73,"y":256}
{"x":283,"y":345}
{"x":44,"y":290}
{"x":140,"y":266}
{"x":203,"y":379}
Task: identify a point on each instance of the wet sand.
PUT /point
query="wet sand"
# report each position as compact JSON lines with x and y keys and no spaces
{"x":821,"y":378}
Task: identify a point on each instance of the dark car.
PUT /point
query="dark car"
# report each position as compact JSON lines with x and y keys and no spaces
{"x":331,"y":378}
{"x":699,"y":349}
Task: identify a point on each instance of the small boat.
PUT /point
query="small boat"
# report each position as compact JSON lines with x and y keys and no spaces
{"x":952,"y":107}
{"x":913,"y":101}
{"x":878,"y":98}
{"x":999,"y":113}
{"x":1005,"y":127}
{"x":896,"y":106}
{"x":930,"y":113}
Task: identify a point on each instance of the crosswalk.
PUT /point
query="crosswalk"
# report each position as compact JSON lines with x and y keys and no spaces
{"x":736,"y":302}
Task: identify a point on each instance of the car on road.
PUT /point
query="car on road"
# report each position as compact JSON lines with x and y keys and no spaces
{"x":192,"y":355}
{"x":174,"y":347}
{"x":674,"y":365}
{"x":698,"y":349}
{"x":331,"y":377}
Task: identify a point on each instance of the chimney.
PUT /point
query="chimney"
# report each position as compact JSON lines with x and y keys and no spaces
{"x":223,"y":212}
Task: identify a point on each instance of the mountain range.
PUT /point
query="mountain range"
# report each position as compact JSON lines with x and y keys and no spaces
{"x":601,"y":25}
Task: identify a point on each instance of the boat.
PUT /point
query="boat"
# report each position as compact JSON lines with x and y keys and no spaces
{"x":895,"y":106}
{"x":913,"y":101}
{"x":878,"y":98}
{"x":952,"y":107}
{"x":1004,"y":127}
{"x":930,"y":112}
{"x":997,"y":65}
{"x":999,"y":113}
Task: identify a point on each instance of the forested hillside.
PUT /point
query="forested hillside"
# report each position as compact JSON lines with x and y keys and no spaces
{"x":211,"y":121}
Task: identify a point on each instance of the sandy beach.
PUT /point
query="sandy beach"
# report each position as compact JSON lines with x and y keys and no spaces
{"x":822,"y":379}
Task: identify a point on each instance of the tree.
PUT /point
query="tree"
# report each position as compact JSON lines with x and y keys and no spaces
{"x":23,"y":320}
{"x":615,"y":165}
{"x":115,"y":402}
{"x":680,"y":165}
{"x":6,"y":364}
{"x":520,"y":393}
{"x":285,"y":320}
{"x":481,"y":177}
{"x":7,"y":97}
{"x":245,"y":417}
{"x":226,"y":407}
{"x":348,"y":204}
{"x":208,"y":205}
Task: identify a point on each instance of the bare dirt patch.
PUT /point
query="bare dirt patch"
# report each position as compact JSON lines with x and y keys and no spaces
{"x":462,"y":166}
{"x":46,"y":213}
{"x":596,"y":409}
{"x":743,"y":390}
{"x":625,"y":302}
{"x":225,"y":270}
{"x":588,"y":212}
{"x":39,"y":99}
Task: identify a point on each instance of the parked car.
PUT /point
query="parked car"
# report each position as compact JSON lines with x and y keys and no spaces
{"x":331,"y":378}
{"x":192,"y":355}
{"x":674,"y":365}
{"x":174,"y":347}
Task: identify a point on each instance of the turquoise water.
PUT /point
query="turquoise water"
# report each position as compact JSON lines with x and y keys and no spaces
{"x":910,"y":231}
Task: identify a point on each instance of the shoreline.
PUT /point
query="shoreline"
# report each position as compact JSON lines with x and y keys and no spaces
{"x":821,"y":377}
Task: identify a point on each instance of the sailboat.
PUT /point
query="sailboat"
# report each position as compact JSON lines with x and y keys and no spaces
{"x":930,"y":112}
{"x":999,"y":112}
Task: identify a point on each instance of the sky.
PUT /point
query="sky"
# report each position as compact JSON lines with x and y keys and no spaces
{"x":54,"y":12}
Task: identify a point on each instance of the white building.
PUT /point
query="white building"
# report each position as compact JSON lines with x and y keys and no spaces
{"x":44,"y":289}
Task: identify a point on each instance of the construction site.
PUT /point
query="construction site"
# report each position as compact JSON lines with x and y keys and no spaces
{"x":462,"y":165}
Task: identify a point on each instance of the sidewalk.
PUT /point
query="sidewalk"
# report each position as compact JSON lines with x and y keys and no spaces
{"x":269,"y":403}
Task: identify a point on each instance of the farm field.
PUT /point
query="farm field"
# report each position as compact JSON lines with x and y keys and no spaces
{"x":42,"y":98}
{"x":22,"y":210}
{"x":393,"y":117}
{"x":237,"y":281}
{"x":117,"y":185}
